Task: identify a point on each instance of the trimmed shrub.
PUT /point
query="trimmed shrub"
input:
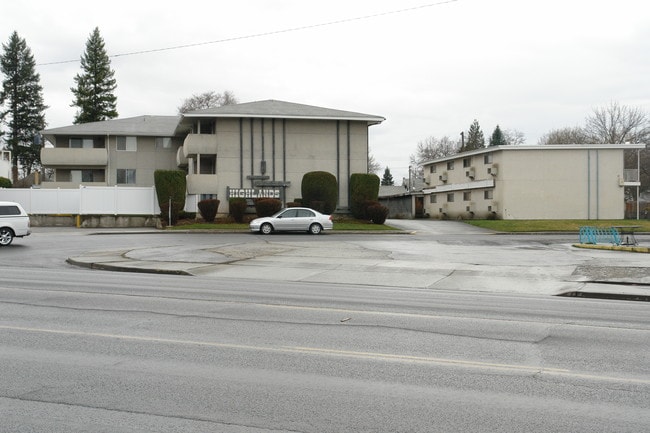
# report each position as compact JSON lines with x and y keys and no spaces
{"x":208,"y":209}
{"x":267,"y":206}
{"x":4,"y":182}
{"x":237,"y":208}
{"x":320,"y":189}
{"x":377,"y":213}
{"x":170,"y":183}
{"x":365,"y":214}
{"x":294,"y":204}
{"x":363,"y":187}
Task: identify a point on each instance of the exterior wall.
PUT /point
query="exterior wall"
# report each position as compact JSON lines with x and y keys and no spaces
{"x":564,"y":182}
{"x":145,"y":160}
{"x":275,"y":152}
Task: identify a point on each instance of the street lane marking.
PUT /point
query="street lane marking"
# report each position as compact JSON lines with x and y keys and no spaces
{"x":531,"y":369}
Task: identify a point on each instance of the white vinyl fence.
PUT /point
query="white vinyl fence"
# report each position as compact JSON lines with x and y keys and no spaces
{"x":89,"y":200}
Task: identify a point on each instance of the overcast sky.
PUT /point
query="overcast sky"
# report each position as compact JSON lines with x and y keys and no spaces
{"x":430,"y":68}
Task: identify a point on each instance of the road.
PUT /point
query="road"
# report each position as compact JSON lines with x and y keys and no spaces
{"x":84,"y":350}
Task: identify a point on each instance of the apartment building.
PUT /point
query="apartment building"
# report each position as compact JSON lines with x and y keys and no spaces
{"x":531,"y":182}
{"x":256,"y":149}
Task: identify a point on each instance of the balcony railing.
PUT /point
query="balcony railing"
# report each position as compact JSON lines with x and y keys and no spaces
{"x":202,"y":183}
{"x":73,"y":157}
{"x":631,"y":175}
{"x":199,"y":144}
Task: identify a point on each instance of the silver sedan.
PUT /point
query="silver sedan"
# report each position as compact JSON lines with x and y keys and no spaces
{"x":293,"y":219}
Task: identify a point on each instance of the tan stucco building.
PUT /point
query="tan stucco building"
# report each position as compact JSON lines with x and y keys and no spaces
{"x":531,"y":182}
{"x":257,"y":149}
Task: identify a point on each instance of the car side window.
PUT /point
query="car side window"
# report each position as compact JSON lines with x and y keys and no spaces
{"x":304,"y":213}
{"x":9,"y":210}
{"x":291,"y":213}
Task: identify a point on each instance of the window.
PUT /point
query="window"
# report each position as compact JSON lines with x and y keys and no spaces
{"x":81,"y":143}
{"x":129,"y":144}
{"x":487,"y":158}
{"x":87,"y":175}
{"x":204,"y":127}
{"x":450,"y":165}
{"x":305,"y":213}
{"x":9,"y":210}
{"x":126,"y":175}
{"x":488,"y":194}
{"x":163,"y":142}
{"x":291,"y":213}
{"x":450,"y":197}
{"x":467,"y":162}
{"x":433,"y":198}
{"x":467,"y":196}
{"x":208,"y":164}
{"x":432,"y":168}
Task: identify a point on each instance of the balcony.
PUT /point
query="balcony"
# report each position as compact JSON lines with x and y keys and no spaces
{"x":181,"y":159}
{"x":630,"y":178}
{"x":195,"y":144}
{"x":202,"y":183}
{"x":66,"y":157}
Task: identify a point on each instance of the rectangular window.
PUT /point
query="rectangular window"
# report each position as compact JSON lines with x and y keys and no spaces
{"x":450,"y":197}
{"x":432,"y":168}
{"x":488,"y":194}
{"x":467,"y":196}
{"x":204,"y":127}
{"x":126,"y":175}
{"x":450,"y":165}
{"x":163,"y":142}
{"x":81,"y":143}
{"x":467,"y":162}
{"x":208,"y":164}
{"x":128,"y":144}
{"x":487,"y":158}
{"x":433,"y":198}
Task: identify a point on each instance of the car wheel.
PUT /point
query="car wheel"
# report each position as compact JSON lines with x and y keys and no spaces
{"x":6,"y":236}
{"x":315,"y":229}
{"x":266,"y":229}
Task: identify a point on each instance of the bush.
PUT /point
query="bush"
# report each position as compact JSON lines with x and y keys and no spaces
{"x":363,"y":187}
{"x":294,"y":204}
{"x":267,"y":206}
{"x":320,"y":189}
{"x":208,"y":209}
{"x":4,"y":182}
{"x":170,"y":183}
{"x":237,"y":208}
{"x":377,"y":213}
{"x":365,"y":214}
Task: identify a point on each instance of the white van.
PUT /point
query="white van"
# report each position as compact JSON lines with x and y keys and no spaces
{"x":14,"y":222}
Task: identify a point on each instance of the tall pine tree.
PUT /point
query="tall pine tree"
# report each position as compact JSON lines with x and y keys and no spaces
{"x":21,"y":105}
{"x":497,"y":138}
{"x":475,"y":138}
{"x":95,"y":85}
{"x":387,"y":180}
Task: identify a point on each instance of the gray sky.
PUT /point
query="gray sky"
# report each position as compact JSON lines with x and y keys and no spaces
{"x":430,"y":69}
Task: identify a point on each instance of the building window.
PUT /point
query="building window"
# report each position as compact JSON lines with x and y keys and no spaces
{"x":450,"y":197}
{"x":450,"y":165}
{"x":126,"y":175}
{"x":487,"y":158}
{"x":433,"y":198}
{"x":204,"y":127}
{"x":128,"y":144}
{"x":163,"y":142}
{"x":467,"y":162}
{"x":467,"y":196}
{"x":488,"y":194}
{"x":81,"y":143}
{"x":432,"y":168}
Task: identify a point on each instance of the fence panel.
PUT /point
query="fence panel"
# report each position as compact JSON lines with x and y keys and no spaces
{"x":85,"y":200}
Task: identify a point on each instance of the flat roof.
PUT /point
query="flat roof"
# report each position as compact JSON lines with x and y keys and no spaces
{"x":545,"y":147}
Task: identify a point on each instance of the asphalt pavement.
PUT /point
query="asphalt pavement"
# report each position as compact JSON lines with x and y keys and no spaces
{"x":398,"y":260}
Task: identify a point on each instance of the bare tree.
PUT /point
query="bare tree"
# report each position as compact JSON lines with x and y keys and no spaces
{"x":514,"y":137}
{"x":206,"y":100}
{"x":432,"y":148}
{"x":568,"y":135}
{"x":373,"y":165}
{"x":618,"y":124}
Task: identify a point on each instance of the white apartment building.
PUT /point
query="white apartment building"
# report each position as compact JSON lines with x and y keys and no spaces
{"x":531,"y":182}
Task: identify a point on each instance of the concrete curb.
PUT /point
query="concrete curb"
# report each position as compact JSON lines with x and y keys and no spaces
{"x":629,"y":249}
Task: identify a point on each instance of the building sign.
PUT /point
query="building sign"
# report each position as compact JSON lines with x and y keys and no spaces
{"x":254,"y":193}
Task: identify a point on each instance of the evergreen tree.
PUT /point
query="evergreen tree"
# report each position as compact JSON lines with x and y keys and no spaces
{"x":95,"y":85}
{"x":21,"y":104}
{"x":498,"y":139}
{"x":475,"y":138}
{"x":387,"y":180}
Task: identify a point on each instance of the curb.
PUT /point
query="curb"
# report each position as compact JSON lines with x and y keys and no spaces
{"x":645,"y":250}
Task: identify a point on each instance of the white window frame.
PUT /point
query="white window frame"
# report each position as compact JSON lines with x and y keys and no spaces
{"x":128,"y":174}
{"x":126,"y":143}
